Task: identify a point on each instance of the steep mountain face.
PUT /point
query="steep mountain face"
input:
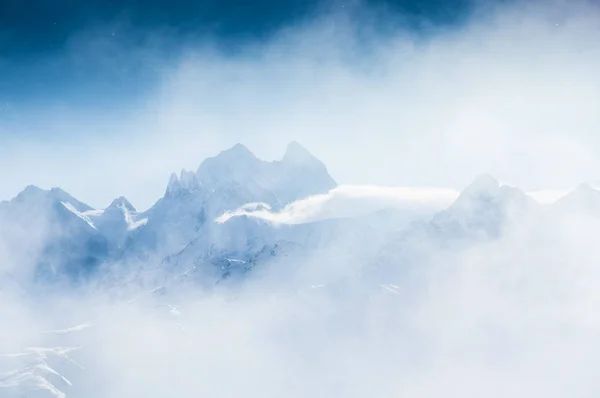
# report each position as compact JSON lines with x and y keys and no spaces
{"x":297,"y":175}
{"x":50,"y":228}
{"x":69,"y":236}
{"x":116,"y":222}
{"x":180,"y":231}
{"x":233,"y":178}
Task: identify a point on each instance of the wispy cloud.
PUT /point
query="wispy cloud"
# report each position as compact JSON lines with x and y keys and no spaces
{"x":514,"y":93}
{"x":511,"y":89}
{"x":356,"y":200}
{"x":348,"y":201}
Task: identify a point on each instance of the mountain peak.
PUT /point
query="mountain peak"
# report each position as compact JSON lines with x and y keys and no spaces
{"x":188,"y":180}
{"x":296,"y":153}
{"x":584,"y":197}
{"x":582,"y":192}
{"x":485,"y":188}
{"x":236,"y":157}
{"x":30,"y":191}
{"x":237,"y":151}
{"x":585,"y":189}
{"x":483,"y":183}
{"x":122,"y":203}
{"x":37,"y":195}
{"x":174,"y":184}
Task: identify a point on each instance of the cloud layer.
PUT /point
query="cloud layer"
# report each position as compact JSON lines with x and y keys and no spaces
{"x":349,"y":201}
{"x":513,"y":92}
{"x":515,"y":316}
{"x":513,"y":88}
{"x":357,"y":200}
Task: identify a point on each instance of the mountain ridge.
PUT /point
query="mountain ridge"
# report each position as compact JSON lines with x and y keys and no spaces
{"x":180,"y":227}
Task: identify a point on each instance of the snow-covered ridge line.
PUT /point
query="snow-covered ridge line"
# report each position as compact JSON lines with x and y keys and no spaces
{"x":79,"y":214}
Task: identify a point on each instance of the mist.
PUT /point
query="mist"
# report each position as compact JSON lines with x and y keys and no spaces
{"x":403,"y":120}
{"x":512,"y":88}
{"x":512,"y":316}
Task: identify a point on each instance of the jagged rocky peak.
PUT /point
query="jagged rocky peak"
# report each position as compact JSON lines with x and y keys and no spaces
{"x":122,"y":203}
{"x":174,"y":185}
{"x":236,"y":176}
{"x":187,"y":181}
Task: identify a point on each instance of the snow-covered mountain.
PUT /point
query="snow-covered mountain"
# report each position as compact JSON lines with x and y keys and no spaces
{"x":62,"y":235}
{"x":76,"y":237}
{"x":583,"y":200}
{"x":484,"y":211}
{"x":297,"y":175}
{"x":181,"y":247}
{"x":233,"y":178}
{"x":53,"y":231}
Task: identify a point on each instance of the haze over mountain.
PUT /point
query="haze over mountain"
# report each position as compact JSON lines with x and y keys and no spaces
{"x":185,"y":228}
{"x":428,"y":244}
{"x":186,"y":213}
{"x":215,"y":234}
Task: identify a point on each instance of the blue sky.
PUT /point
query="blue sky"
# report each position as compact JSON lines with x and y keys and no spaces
{"x":38,"y":39}
{"x":108,"y":98}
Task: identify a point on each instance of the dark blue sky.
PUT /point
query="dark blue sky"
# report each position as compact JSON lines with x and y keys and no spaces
{"x":37,"y":26}
{"x":45,"y":48}
{"x":424,"y":92}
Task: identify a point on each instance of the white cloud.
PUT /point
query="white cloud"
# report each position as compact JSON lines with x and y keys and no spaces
{"x":513,"y":89}
{"x":515,"y":316}
{"x":512,"y":94}
{"x":355,"y":200}
{"x":348,"y":201}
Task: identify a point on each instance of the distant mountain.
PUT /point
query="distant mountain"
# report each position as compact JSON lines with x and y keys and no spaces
{"x":60,"y":235}
{"x":116,"y":222}
{"x":297,"y":175}
{"x":583,"y":200}
{"x":233,"y":178}
{"x":483,"y":211}
{"x":75,"y":239}
{"x":51,"y":229}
